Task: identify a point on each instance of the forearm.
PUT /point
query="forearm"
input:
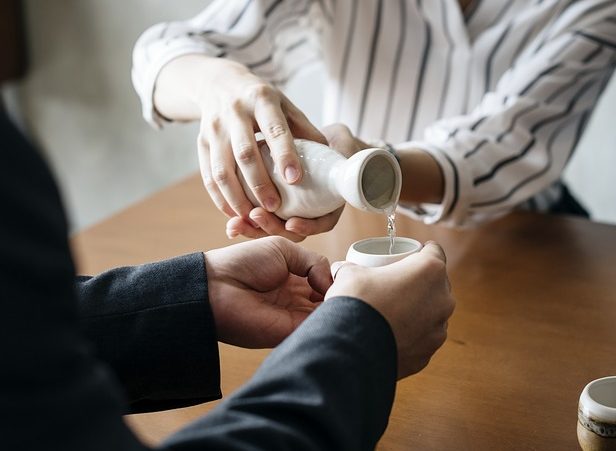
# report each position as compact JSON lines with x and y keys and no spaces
{"x":178,"y":86}
{"x":184,"y":81}
{"x":330,"y":385}
{"x":422,"y":177}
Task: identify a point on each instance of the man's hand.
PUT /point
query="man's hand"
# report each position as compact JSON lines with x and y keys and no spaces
{"x":338,"y":137}
{"x":413,"y":295}
{"x":260,"y":291}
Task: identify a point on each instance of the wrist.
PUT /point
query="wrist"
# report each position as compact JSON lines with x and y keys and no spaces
{"x":217,"y":74}
{"x":422,"y":177}
{"x":178,"y":87}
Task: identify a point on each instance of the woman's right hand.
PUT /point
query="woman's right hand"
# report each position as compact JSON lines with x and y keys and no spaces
{"x":263,"y":223}
{"x":234,"y":104}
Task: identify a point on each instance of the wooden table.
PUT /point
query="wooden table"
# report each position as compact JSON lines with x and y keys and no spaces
{"x":535,"y":320}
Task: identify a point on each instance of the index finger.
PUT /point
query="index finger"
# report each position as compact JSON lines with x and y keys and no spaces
{"x":273,"y":124}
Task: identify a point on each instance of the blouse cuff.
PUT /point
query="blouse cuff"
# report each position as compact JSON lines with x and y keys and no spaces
{"x":147,"y":84}
{"x":452,"y":211}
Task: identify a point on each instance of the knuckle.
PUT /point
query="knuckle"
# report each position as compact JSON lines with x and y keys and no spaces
{"x":215,"y":124}
{"x":221,"y":175}
{"x":245,"y":153}
{"x":236,"y":105}
{"x":434,"y":266}
{"x":210,"y":184}
{"x":275,"y":130}
{"x":322,"y":260}
{"x":261,"y":91}
{"x":261,"y":188}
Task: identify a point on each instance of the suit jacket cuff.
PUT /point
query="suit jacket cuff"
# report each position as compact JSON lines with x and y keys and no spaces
{"x":153,"y":324}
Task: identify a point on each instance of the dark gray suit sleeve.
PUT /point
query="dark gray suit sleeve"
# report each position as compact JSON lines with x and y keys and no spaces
{"x":54,"y":395}
{"x":329,"y":386}
{"x":153,"y":325}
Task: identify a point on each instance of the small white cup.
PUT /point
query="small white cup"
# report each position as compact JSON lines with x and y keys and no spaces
{"x":596,"y":428}
{"x":375,"y":251}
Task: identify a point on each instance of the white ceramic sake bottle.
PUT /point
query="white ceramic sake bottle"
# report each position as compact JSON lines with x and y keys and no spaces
{"x":369,"y":180}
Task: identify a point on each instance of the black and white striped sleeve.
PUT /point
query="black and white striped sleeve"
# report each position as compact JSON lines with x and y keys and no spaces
{"x":518,"y":139}
{"x":273,"y":38}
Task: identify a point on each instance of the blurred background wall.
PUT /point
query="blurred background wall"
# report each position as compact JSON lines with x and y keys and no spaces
{"x":78,"y":103}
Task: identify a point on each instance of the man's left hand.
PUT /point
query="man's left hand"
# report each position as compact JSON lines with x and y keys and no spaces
{"x":261,"y":290}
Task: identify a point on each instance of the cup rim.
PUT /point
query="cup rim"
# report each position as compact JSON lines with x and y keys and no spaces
{"x":416,"y":243}
{"x":590,"y":408}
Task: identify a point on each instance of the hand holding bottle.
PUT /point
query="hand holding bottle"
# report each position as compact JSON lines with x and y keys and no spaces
{"x":264,"y":223}
{"x":233,"y":104}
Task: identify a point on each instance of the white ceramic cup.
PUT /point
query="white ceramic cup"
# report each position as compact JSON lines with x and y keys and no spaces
{"x":375,"y":251}
{"x":596,"y":428}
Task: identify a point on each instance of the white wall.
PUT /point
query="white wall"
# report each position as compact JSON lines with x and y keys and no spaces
{"x":82,"y":109}
{"x":80,"y":105}
{"x":592,"y":170}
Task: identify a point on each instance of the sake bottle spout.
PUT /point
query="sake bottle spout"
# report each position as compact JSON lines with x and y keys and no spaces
{"x":370,"y":180}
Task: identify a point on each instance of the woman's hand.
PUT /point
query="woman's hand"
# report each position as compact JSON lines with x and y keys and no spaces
{"x":233,"y":104}
{"x":260,"y":291}
{"x":263,"y":223}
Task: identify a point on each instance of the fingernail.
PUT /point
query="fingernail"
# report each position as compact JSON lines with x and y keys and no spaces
{"x":256,"y":217}
{"x":291,"y":174}
{"x":293,"y":228}
{"x":271,"y":204}
{"x":231,"y":234}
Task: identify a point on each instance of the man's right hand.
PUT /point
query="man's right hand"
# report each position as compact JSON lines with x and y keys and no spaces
{"x":414,"y":296}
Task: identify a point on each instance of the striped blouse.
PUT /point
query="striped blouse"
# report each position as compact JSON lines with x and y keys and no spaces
{"x":499,"y":95}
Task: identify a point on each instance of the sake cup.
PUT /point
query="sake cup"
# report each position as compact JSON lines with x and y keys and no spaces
{"x":596,"y":427}
{"x":375,"y":251}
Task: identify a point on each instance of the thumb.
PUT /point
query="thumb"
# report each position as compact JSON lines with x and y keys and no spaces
{"x":305,"y":263}
{"x":435,"y":250}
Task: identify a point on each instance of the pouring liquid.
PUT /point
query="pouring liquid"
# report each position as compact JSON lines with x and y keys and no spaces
{"x":391,"y":228}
